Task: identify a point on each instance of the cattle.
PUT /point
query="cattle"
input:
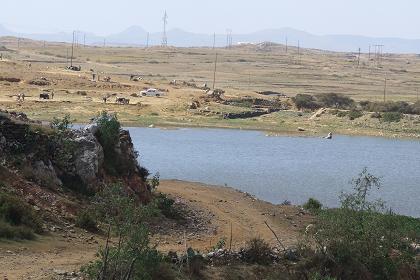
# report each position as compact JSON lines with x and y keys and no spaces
{"x":122,"y":100}
{"x":44,"y":95}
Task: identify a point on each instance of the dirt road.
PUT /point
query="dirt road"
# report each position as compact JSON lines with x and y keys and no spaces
{"x":216,"y":208}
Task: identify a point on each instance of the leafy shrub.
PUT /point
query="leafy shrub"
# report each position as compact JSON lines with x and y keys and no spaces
{"x":8,"y":231}
{"x":17,"y":218}
{"x":62,"y":125}
{"x":220,"y":244}
{"x":166,"y":207}
{"x":391,"y":106}
{"x":312,"y":205}
{"x":154,"y":182}
{"x":305,"y":101}
{"x":87,"y":221}
{"x":361,"y":238}
{"x":392,"y":117}
{"x":133,"y":257}
{"x":342,"y":114}
{"x":257,"y":251}
{"x":355,"y":114}
{"x":108,"y":136}
{"x":334,"y":100}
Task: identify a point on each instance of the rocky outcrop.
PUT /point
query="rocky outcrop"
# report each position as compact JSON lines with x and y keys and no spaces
{"x":73,"y":159}
{"x":88,"y":156}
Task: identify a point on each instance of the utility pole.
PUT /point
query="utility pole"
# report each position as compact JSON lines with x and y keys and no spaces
{"x":298,"y":52}
{"x":72,"y":51}
{"x":214,"y":40}
{"x":358,"y":59}
{"x":228,"y":38}
{"x":214,"y":73}
{"x":104,"y":42}
{"x":369,"y":53}
{"x":84,"y":40}
{"x":385,"y":90}
{"x":18,"y":41}
{"x":165,"y":37}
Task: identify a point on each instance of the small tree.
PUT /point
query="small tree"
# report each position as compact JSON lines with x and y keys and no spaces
{"x":108,"y":136}
{"x":362,"y":238}
{"x":305,"y":101}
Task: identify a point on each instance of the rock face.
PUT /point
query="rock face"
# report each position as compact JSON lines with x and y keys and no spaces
{"x":72,"y":160}
{"x":88,"y":156}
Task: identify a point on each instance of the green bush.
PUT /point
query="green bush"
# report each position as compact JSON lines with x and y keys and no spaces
{"x":134,"y":257}
{"x":305,"y":101}
{"x":8,"y":231}
{"x":312,"y":205}
{"x":360,"y":239}
{"x":17,"y":218}
{"x":257,"y":251}
{"x":342,"y":114}
{"x":87,"y":221}
{"x":391,"y":106}
{"x":334,"y":100}
{"x":166,"y":207}
{"x":108,"y":136}
{"x":63,"y":124}
{"x":355,"y":114}
{"x":392,"y":117}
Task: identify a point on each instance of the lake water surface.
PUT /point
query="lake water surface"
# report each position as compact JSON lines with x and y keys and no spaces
{"x":283,"y":168}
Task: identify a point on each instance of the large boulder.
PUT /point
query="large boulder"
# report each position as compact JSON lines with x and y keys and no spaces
{"x":88,"y":157}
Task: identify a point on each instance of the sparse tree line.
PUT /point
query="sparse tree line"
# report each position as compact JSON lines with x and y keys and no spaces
{"x":389,"y":111}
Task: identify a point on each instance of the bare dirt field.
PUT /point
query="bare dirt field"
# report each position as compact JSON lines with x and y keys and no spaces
{"x":223,"y":208}
{"x":242,"y":72}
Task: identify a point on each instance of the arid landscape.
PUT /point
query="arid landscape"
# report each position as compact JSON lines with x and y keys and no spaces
{"x":242,"y":72}
{"x":82,"y":196}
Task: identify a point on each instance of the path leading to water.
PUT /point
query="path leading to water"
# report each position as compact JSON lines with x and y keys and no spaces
{"x":66,"y":250}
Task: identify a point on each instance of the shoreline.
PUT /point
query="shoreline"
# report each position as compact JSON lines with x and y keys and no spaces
{"x":270,"y":132}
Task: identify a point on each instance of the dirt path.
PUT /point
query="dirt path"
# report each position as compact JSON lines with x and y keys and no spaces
{"x":243,"y":212}
{"x":218,"y":208}
{"x":47,"y":258}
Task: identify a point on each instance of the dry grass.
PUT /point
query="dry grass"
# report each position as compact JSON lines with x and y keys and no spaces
{"x":242,"y":71}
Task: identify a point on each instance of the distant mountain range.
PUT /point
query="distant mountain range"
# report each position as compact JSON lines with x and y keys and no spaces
{"x":137,"y":36}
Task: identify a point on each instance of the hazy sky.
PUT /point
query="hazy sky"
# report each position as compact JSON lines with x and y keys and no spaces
{"x":399,"y":18}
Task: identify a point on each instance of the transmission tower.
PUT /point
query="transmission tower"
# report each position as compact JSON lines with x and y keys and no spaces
{"x":165,"y":37}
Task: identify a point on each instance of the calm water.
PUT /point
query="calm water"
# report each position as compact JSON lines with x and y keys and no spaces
{"x":284,"y":168}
